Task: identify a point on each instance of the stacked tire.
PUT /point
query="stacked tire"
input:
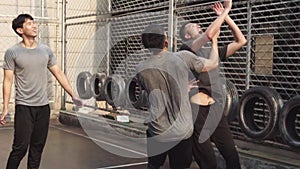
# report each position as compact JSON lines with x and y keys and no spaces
{"x":114,"y":91}
{"x":97,"y":86}
{"x":83,"y":85}
{"x":135,"y":93}
{"x":89,"y":85}
{"x":231,"y":102}
{"x":290,"y":122}
{"x":259,"y":111}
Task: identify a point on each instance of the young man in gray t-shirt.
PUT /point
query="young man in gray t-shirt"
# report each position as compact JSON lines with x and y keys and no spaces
{"x":165,"y":78}
{"x":27,"y":63}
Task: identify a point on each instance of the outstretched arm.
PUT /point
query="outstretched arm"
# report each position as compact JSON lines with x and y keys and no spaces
{"x":200,"y":64}
{"x":64,"y":82}
{"x":239,"y":38}
{"x":213,"y":61}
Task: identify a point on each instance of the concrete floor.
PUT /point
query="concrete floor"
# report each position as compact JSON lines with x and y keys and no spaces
{"x":68,"y":147}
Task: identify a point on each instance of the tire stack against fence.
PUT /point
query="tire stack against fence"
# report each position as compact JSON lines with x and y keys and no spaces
{"x":260,"y":111}
{"x":116,"y":91}
{"x":263,"y":116}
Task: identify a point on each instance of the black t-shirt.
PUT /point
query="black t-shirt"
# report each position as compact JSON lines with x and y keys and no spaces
{"x":210,"y":81}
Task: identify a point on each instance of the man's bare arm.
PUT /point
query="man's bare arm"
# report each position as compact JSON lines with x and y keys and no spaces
{"x":213,"y":61}
{"x":213,"y":28}
{"x":239,"y":38}
{"x":64,"y":82}
{"x":7,"y":85}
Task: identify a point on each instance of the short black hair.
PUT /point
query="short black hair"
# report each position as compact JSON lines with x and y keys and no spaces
{"x":19,"y":21}
{"x":182,"y":31}
{"x":153,"y":37}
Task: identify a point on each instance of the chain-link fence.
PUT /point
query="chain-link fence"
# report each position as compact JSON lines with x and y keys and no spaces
{"x":106,"y":38}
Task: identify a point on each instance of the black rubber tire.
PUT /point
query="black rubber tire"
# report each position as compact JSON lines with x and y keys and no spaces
{"x":97,"y":86}
{"x":232,"y":101}
{"x":67,"y":119}
{"x":114,"y":90}
{"x":288,"y":120}
{"x":83,"y":85}
{"x":135,"y":94}
{"x":253,"y":103}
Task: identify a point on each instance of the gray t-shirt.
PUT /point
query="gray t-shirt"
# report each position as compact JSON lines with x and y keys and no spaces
{"x":30,"y":70}
{"x":165,"y":78}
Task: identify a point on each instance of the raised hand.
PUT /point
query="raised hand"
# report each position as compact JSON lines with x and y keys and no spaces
{"x":218,"y":8}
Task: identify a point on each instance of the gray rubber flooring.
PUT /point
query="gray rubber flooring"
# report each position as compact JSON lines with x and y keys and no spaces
{"x":69,"y":147}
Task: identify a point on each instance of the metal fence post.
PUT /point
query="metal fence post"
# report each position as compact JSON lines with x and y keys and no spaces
{"x":63,"y":51}
{"x":248,"y":59}
{"x":171,"y":25}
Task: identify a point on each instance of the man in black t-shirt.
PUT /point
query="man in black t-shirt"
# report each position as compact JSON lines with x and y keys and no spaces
{"x":211,"y":124}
